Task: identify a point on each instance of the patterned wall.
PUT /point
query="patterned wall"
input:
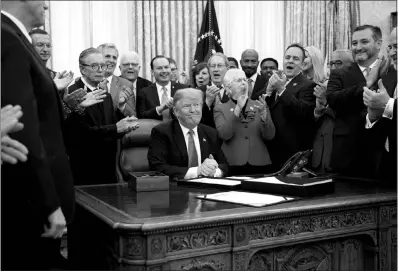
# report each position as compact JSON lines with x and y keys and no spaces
{"x":378,"y":13}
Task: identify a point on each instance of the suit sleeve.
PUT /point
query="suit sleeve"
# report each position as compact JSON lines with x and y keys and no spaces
{"x":267,"y":126}
{"x":17,"y":89}
{"x":158,"y":158}
{"x":220,"y":157}
{"x":225,"y":125}
{"x":302,"y":106}
{"x":142,"y":111}
{"x":340,"y":98}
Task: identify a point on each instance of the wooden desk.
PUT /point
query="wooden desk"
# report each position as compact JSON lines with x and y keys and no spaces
{"x":115,"y":228}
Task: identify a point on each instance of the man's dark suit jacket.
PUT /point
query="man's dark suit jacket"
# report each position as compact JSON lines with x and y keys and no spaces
{"x":293,"y":117}
{"x":207,"y":113}
{"x":259,"y":87}
{"x":168,"y":152}
{"x":34,"y":189}
{"x":92,"y":142}
{"x":345,"y":98}
{"x":383,"y":128}
{"x":148,"y":99}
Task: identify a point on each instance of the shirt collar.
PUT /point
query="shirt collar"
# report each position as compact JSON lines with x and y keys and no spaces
{"x":253,"y":77}
{"x":370,"y":66}
{"x":87,"y":84}
{"x":185,"y":130}
{"x":109,"y":78}
{"x":159,"y":87}
{"x":222,"y":85}
{"x":19,"y":24}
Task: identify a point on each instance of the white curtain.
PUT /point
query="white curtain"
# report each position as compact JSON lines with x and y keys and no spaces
{"x":252,"y":25}
{"x":77,"y":25}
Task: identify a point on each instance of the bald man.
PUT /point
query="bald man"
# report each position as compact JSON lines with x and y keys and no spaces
{"x":184,"y":148}
{"x":130,"y":68}
{"x":256,"y":82}
{"x":341,"y":58}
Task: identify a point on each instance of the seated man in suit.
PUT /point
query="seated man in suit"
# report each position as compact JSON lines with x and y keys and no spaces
{"x":292,"y":103}
{"x":218,"y":65}
{"x":245,"y":126}
{"x":91,"y":138}
{"x":381,"y":120}
{"x":130,"y":68}
{"x":256,"y":82}
{"x":119,"y":88}
{"x":183,"y":148}
{"x":155,"y":101}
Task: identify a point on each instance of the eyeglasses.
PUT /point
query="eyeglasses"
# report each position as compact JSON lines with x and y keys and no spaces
{"x":337,"y":63}
{"x":95,"y":67}
{"x":127,"y":65}
{"x":218,"y":66}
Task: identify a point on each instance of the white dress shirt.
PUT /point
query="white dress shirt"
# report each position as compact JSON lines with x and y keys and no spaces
{"x":87,"y":85}
{"x":19,"y":25}
{"x":363,"y":69}
{"x":254,"y":78}
{"x":109,"y":83}
{"x":193,"y":171}
{"x":160,"y":93}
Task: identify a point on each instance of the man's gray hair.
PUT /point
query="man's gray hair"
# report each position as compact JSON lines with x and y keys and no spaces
{"x":104,"y":46}
{"x":220,"y":55}
{"x":86,"y":53}
{"x":348,"y":52}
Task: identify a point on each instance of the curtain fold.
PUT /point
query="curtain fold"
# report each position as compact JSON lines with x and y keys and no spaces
{"x":327,"y":25}
{"x":167,"y":28}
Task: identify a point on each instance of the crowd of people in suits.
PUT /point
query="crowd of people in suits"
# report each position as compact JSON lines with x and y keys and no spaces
{"x":58,"y":130}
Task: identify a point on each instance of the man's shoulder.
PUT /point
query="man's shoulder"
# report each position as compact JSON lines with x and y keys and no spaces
{"x":76,"y":85}
{"x":164,"y":128}
{"x":210,"y":131}
{"x":144,"y":82}
{"x":179,"y":86}
{"x":149,"y":88}
{"x":124,"y":81}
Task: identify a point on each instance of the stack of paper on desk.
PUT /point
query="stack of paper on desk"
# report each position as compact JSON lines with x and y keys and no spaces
{"x":215,"y":181}
{"x":274,"y":180}
{"x":246,"y":198}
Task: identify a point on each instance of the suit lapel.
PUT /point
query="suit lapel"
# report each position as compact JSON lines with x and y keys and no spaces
{"x":180,"y":141}
{"x":204,"y":145}
{"x":153,"y":93}
{"x":114,"y":91}
{"x":173,"y":89}
{"x":293,"y":85}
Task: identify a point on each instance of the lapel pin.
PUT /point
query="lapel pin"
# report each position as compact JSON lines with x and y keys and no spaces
{"x":232,"y":109}
{"x":294,"y":84}
{"x":251,"y":108}
{"x":204,"y":139}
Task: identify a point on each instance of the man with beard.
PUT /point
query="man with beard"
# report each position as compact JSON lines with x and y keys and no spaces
{"x":155,"y":101}
{"x":291,"y":101}
{"x":184,"y":148}
{"x":120,"y":89}
{"x":381,"y":120}
{"x":256,"y":82}
{"x":345,"y":97}
{"x":129,"y":68}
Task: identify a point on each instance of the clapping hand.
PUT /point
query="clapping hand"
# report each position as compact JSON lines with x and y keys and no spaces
{"x":127,"y":125}
{"x":261,"y":104}
{"x":277,"y":81}
{"x":211,"y":93}
{"x":93,"y":97}
{"x":57,"y":224}
{"x":183,"y":77}
{"x":320,"y":94}
{"x":10,"y":116}
{"x":376,"y":100}
{"x":63,"y":79}
{"x":75,"y":98}
{"x":124,"y":95}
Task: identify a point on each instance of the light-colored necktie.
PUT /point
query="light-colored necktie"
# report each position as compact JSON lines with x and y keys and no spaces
{"x":165,"y":113}
{"x":366,"y":72}
{"x":192,"y":153}
{"x":250,"y":87}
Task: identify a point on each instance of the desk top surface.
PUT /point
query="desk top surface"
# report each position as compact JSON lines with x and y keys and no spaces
{"x":122,"y":207}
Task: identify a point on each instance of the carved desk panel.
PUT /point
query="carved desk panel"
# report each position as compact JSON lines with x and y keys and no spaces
{"x":118,"y":229}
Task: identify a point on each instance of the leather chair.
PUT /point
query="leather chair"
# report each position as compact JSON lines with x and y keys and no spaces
{"x":134,"y":149}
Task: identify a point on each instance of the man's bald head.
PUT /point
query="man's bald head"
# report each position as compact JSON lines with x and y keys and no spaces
{"x":249,"y":62}
{"x":130,"y":65}
{"x":392,"y":46}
